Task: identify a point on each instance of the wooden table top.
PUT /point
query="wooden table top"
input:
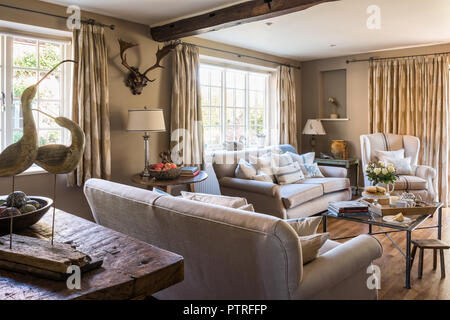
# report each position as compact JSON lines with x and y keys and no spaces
{"x":131,"y":268}
{"x":164,"y":183}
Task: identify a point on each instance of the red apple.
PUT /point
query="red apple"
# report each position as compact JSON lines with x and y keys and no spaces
{"x":173,"y":166}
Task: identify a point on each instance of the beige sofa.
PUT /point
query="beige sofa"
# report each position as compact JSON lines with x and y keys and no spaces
{"x":230,"y":253}
{"x":423,"y":180}
{"x":282,"y":201}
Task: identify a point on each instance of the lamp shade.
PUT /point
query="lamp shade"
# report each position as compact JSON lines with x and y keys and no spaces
{"x":149,"y":120}
{"x":314,"y":127}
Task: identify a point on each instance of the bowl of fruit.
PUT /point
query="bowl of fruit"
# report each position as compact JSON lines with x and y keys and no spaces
{"x":164,"y":171}
{"x":25,"y":210}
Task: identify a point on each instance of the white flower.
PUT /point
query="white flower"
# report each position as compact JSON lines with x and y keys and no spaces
{"x":377,"y":171}
{"x":385,"y":171}
{"x":381,"y":163}
{"x":391,"y":169}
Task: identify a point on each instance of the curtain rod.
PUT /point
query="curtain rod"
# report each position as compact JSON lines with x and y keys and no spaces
{"x":88,"y":21}
{"x":387,"y":58}
{"x":241,"y":55}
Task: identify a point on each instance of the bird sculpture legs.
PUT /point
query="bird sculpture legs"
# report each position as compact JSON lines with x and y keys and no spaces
{"x":54,"y":208}
{"x":12,"y":215}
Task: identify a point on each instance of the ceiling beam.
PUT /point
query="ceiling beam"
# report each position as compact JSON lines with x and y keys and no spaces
{"x":250,"y":11}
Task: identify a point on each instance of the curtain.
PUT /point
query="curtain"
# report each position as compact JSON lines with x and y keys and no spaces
{"x":287,"y":106}
{"x":409,"y":96}
{"x":186,"y":126}
{"x":90,"y":106}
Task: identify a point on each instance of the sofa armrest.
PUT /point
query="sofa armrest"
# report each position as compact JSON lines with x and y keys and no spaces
{"x":261,"y":187}
{"x":338,"y":264}
{"x":429,"y":174}
{"x":335,"y":172}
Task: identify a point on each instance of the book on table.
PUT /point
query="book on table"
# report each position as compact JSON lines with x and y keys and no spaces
{"x":189,"y":171}
{"x":348,"y":208}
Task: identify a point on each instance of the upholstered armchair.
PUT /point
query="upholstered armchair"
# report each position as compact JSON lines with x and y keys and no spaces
{"x":421,"y":182}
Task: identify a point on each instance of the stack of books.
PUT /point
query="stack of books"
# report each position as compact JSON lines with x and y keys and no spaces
{"x":348,"y":208}
{"x":189,"y":171}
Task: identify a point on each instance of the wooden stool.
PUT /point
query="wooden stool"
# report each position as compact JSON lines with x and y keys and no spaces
{"x":434,"y":244}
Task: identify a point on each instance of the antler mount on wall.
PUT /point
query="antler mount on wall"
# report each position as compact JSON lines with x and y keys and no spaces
{"x":137,"y":80}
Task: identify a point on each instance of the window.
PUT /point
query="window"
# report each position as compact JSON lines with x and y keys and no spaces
{"x":23,"y":62}
{"x":234,"y":105}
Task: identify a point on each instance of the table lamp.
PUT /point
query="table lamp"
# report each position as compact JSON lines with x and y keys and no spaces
{"x":314,"y":128}
{"x":146,"y":120}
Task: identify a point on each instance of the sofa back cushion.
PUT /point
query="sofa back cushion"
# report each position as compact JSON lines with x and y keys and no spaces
{"x":228,"y":253}
{"x":225,"y":162}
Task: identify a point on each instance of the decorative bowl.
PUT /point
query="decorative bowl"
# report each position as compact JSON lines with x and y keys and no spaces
{"x":170,"y":174}
{"x":25,"y":220}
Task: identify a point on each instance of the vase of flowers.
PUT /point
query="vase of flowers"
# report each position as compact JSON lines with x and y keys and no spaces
{"x":382,"y":173}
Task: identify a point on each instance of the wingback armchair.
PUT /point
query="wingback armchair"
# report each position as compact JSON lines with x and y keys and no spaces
{"x":421,"y":183}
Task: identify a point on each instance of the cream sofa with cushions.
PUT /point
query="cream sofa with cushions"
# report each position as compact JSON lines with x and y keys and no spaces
{"x":230,"y":253}
{"x":422,"y":180}
{"x":283,"y":201}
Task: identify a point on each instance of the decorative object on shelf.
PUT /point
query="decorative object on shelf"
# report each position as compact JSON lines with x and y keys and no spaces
{"x":166,"y":169}
{"x":137,"y":80}
{"x":339,"y":149}
{"x":382,"y":175}
{"x":146,"y":120}
{"x":334,"y":102}
{"x":314,"y":128}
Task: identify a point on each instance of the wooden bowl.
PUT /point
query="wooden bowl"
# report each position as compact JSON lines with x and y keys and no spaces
{"x":170,"y":174}
{"x":27,"y":219}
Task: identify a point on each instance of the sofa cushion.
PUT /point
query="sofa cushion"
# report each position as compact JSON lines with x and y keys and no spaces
{"x":294,"y":195}
{"x":311,"y":245}
{"x":410,"y":183}
{"x":245,"y":170}
{"x":288,"y":174}
{"x":327,"y":246}
{"x":305,"y":226}
{"x":224,"y":201}
{"x":330,"y":184}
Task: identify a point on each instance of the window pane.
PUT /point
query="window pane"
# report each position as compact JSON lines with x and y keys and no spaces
{"x":230,"y":116}
{"x":17,"y":135}
{"x":23,"y":79}
{"x":49,"y":137}
{"x":230,"y":79}
{"x":17,"y":115}
{"x":216,"y":97}
{"x":205,"y":116}
{"x":230,"y":134}
{"x":205,"y":99}
{"x":240,"y":116}
{"x":257,"y":82}
{"x":216,"y":78}
{"x":24,"y":53}
{"x":50,"y":88}
{"x":230,"y":97}
{"x":49,"y":55}
{"x":52,"y":108}
{"x":215,"y":117}
{"x":252,"y":99}
{"x":216,"y":136}
{"x":240,"y":98}
{"x":240,"y":81}
{"x":204,"y":76}
{"x":240,"y":133}
{"x":260,"y":100}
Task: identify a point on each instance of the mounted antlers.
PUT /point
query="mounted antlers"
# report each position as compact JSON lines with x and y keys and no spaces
{"x":136,"y":80}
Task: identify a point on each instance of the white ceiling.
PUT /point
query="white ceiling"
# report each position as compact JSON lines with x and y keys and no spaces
{"x":307,"y":34}
{"x":147,"y":11}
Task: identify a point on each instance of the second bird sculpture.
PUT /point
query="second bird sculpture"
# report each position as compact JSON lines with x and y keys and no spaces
{"x":58,"y":158}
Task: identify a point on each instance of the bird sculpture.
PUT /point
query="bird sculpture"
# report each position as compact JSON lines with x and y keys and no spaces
{"x":58,"y":158}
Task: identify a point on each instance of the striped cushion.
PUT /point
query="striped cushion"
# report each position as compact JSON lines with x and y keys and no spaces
{"x":307,"y":158}
{"x":410,"y":183}
{"x":288,"y":174}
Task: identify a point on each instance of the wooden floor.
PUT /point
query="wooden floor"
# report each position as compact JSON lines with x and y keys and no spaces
{"x":392,"y":263}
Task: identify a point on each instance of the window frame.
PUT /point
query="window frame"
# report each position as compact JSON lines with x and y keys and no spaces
{"x":7,"y":87}
{"x":223,"y":125}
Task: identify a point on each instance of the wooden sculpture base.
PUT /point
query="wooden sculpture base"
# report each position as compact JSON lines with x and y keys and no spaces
{"x":40,"y":258}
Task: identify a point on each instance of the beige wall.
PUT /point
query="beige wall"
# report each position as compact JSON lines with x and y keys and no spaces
{"x":127,"y":148}
{"x":357,"y":96}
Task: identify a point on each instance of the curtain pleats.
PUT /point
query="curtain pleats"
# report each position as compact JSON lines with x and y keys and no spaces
{"x":90,"y":106}
{"x":186,"y":125}
{"x":409,"y":96}
{"x":287,"y":106}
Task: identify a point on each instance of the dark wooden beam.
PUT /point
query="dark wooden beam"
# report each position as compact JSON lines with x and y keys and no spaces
{"x":245,"y":12}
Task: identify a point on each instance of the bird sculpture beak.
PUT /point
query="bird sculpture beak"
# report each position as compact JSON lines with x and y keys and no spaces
{"x":53,"y":69}
{"x":48,"y":115}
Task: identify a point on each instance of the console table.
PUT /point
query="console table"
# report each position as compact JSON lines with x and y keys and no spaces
{"x":349,"y":164}
{"x":131,"y":269}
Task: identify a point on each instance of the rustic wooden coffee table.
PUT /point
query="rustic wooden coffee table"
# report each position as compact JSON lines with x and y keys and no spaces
{"x":167,"y":185}
{"x":131,"y":269}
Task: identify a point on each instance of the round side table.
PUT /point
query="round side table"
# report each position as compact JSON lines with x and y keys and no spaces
{"x":166,"y":185}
